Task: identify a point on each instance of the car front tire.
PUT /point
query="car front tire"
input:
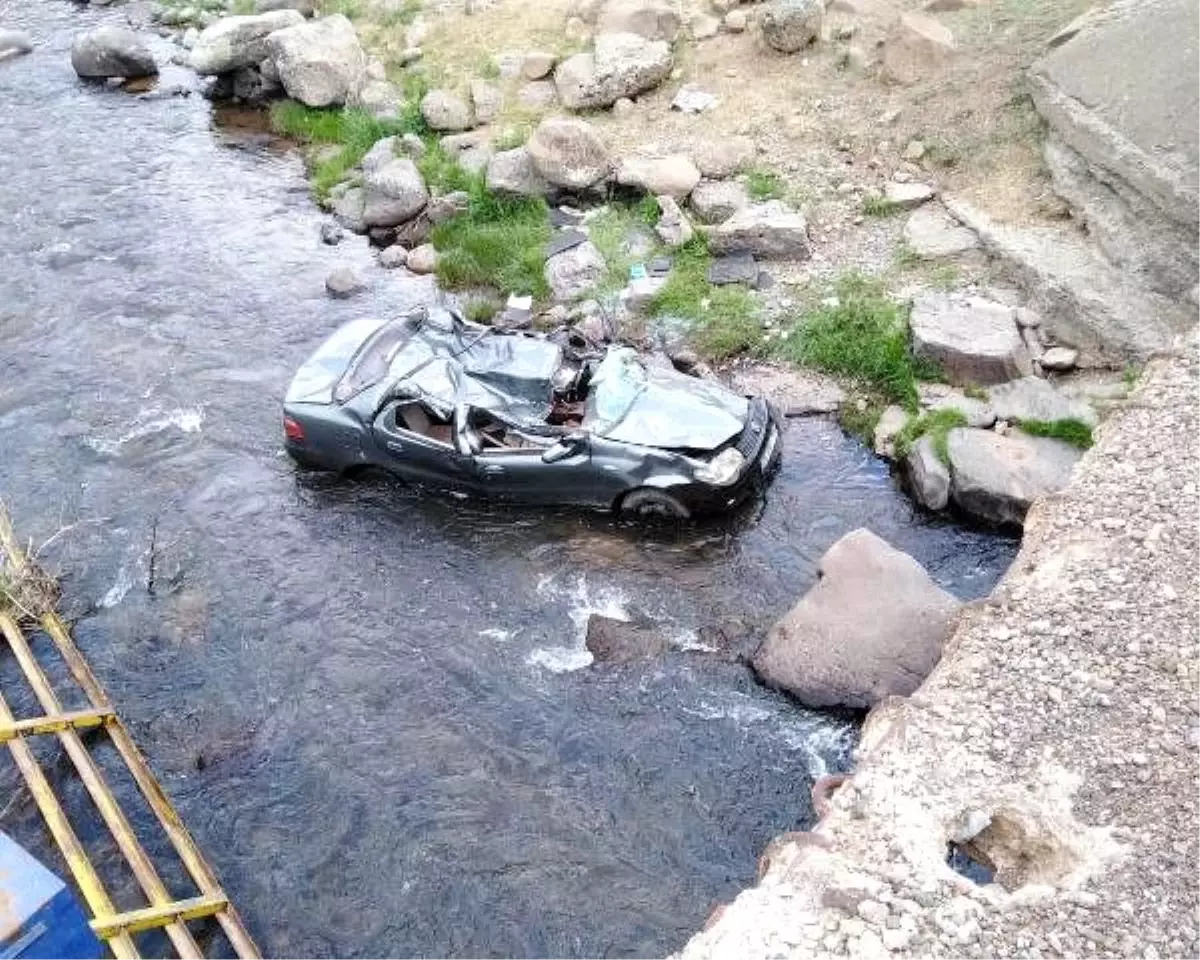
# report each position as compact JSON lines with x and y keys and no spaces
{"x":646,"y":503}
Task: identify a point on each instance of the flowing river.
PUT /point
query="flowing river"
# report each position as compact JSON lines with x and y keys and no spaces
{"x":373,"y":707}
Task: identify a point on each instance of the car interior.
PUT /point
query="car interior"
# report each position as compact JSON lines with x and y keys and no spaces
{"x":416,"y":419}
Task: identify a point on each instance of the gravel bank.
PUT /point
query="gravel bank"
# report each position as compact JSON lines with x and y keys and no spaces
{"x":1058,"y":738}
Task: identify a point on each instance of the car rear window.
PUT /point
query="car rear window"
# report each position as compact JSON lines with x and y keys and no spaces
{"x":371,"y":363}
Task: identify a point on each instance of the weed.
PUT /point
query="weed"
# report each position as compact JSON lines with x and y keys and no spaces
{"x":905,"y":257}
{"x":488,"y":68}
{"x":399,"y":16}
{"x":860,"y":421}
{"x":1130,"y":374}
{"x":481,"y":310}
{"x":351,"y":9}
{"x":513,"y":136}
{"x":975,"y":392}
{"x":1072,"y":431}
{"x":764,"y":184}
{"x":860,"y":333}
{"x":937,"y":424}
{"x":649,"y":210}
{"x":880,"y":207}
{"x":241,"y":7}
{"x":610,"y":231}
{"x":443,"y":174}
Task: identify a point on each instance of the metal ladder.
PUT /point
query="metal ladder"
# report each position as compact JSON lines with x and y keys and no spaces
{"x":161,"y":911}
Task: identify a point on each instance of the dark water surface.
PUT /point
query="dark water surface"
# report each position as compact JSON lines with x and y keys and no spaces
{"x":372,"y":707}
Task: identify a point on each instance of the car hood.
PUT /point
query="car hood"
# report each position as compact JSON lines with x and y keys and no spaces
{"x":657,"y":407}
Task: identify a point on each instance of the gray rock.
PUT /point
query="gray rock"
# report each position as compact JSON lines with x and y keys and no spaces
{"x":651,"y":19}
{"x":891,"y":422}
{"x":917,"y":46}
{"x":691,"y":99}
{"x":537,"y":94}
{"x":733,"y":268}
{"x":997,"y":477}
{"x":736,"y":21}
{"x":346,"y":202}
{"x":791,"y":25}
{"x":621,"y":65}
{"x":423,"y":259}
{"x":343,"y":281}
{"x":233,"y":42}
{"x":704,"y":27}
{"x":380,"y":98}
{"x":715,"y":201}
{"x":906,"y":196}
{"x":873,"y":626}
{"x":14,"y":42}
{"x":673,"y":175}
{"x":331,"y":234}
{"x":444,"y":110}
{"x":1059,"y":359}
{"x":932,"y":234}
{"x":392,"y":257}
{"x":104,"y":52}
{"x":537,"y":64}
{"x":305,"y":7}
{"x":574,"y":272}
{"x":486,"y":101}
{"x":381,"y":154}
{"x":972,"y":340}
{"x":640,"y":293}
{"x":618,"y":641}
{"x":568,"y":153}
{"x":393,"y":193}
{"x":476,"y":159}
{"x":718,"y":159}
{"x":564,"y":240}
{"x":770,"y":231}
{"x":795,"y":392}
{"x":513,"y":172}
{"x":927,"y":475}
{"x":1032,"y":398}
{"x":447,"y":207}
{"x":938,"y":396}
{"x":672,"y":227}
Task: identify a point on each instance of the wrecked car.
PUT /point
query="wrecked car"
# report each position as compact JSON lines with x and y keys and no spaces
{"x":524,"y":418}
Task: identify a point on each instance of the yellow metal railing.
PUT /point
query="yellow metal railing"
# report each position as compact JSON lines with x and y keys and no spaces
{"x":161,"y":911}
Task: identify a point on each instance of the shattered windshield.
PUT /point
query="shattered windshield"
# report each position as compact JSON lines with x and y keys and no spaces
{"x":616,"y":383}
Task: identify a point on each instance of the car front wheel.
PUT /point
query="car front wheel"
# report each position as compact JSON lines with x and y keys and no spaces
{"x":653,"y":504}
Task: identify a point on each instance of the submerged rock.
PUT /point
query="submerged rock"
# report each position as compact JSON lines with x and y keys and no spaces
{"x":343,"y":281}
{"x":233,"y":42}
{"x":619,"y":641}
{"x":111,"y":52}
{"x":873,"y":626}
{"x":14,"y":42}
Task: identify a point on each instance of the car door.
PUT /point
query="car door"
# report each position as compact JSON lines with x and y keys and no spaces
{"x":522,"y":476}
{"x":418,"y":457}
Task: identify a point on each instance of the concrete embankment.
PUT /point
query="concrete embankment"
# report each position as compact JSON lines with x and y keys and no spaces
{"x":1055,"y":743}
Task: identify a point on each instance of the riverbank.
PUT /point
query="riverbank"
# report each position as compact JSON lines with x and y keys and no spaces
{"x":1055,"y":743}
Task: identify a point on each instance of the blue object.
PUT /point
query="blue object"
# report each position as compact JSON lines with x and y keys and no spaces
{"x":39,"y":916}
{"x":637,"y":271}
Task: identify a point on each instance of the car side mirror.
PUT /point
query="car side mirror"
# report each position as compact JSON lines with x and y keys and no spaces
{"x":568,"y":446}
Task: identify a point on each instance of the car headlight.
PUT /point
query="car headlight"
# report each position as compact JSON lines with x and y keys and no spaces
{"x":723,"y":469}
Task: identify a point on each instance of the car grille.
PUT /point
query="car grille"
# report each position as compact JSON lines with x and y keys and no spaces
{"x":751,"y":437}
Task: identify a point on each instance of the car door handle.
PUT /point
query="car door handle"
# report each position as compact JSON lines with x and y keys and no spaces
{"x":395,"y":446}
{"x":493,"y":470}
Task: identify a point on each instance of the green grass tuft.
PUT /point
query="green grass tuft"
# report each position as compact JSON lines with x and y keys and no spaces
{"x":880,"y":207}
{"x":764,"y":184}
{"x":865,"y":336}
{"x":1072,"y":431}
{"x":936,"y":423}
{"x":481,"y":310}
{"x":351,"y":9}
{"x":398,"y":16}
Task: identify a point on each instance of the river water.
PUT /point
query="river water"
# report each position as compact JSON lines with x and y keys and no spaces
{"x":373,"y":707}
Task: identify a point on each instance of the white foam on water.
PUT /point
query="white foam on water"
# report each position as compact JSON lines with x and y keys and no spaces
{"x":495,"y":633}
{"x":148,"y":422}
{"x":116,"y":593}
{"x":583,"y":600}
{"x":688,"y":640}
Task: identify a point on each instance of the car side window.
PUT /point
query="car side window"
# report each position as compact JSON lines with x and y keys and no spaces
{"x":488,"y":435}
{"x":415,"y":418}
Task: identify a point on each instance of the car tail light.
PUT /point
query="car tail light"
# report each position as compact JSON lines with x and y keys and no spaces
{"x":292,"y":430}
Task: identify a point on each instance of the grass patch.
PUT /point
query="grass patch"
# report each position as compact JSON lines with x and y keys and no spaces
{"x":443,"y":174}
{"x":1072,"y":431}
{"x":764,"y":184}
{"x":399,"y":16}
{"x":975,"y":392}
{"x":610,"y":231}
{"x":725,"y":319}
{"x":936,"y":423}
{"x":241,"y":7}
{"x":481,"y":310}
{"x":862,"y":334}
{"x":513,"y":136}
{"x":1129,"y":376}
{"x":880,"y":207}
{"x":355,"y":131}
{"x":350,"y":9}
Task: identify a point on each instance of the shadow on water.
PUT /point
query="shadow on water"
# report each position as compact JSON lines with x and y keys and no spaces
{"x":373,"y":706}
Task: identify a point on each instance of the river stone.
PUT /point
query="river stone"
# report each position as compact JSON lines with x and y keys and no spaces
{"x":930,"y":233}
{"x":1059,"y":359}
{"x":972,"y":340}
{"x":651,"y":19}
{"x":791,"y":25}
{"x":393,"y":257}
{"x":718,"y":159}
{"x":444,"y":110}
{"x":343,"y":281}
{"x":380,"y":155}
{"x":567,"y":152}
{"x":927,"y":475}
{"x":715,"y":201}
{"x":574,"y":272}
{"x":873,"y":626}
{"x":14,"y":42}
{"x":346,"y":202}
{"x":537,"y":64}
{"x":997,"y":477}
{"x":423,"y":259}
{"x":770,"y":231}
{"x":939,"y":396}
{"x":233,"y":42}
{"x":380,"y":98}
{"x":618,"y":641}
{"x":621,"y":65}
{"x":1032,"y":398}
{"x":916,"y":46}
{"x":513,"y":172}
{"x":674,"y":175}
{"x":673,"y":228}
{"x":111,"y":52}
{"x":888,"y":427}
{"x":394,"y":193}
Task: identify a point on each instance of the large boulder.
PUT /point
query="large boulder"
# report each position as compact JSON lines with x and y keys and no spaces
{"x":234,"y":42}
{"x":380,"y":98}
{"x":111,"y":52}
{"x":771,"y":231}
{"x":927,"y":475}
{"x":791,"y":25}
{"x":916,"y":47}
{"x":622,"y":65}
{"x":393,"y":193}
{"x":674,"y":175}
{"x":320,"y":62}
{"x":14,"y":42}
{"x":715,"y":201}
{"x":568,"y":153}
{"x":513,"y":172}
{"x":574,"y":272}
{"x":652,"y":19}
{"x":873,"y":626}
{"x":997,"y":477}
{"x":1032,"y":398}
{"x":972,"y":340}
{"x":444,"y":110}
